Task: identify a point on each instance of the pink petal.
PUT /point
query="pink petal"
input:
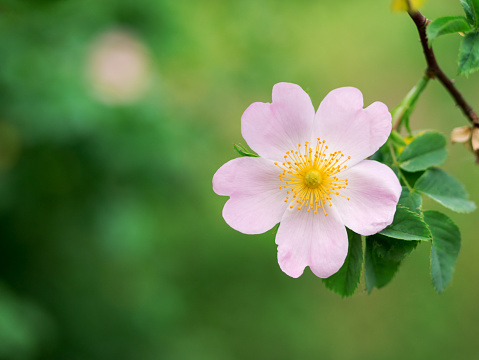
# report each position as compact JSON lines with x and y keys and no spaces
{"x":248,"y":175}
{"x":254,"y":214}
{"x":256,"y":202}
{"x":273,"y":129}
{"x":314,"y":240}
{"x":374,"y":192}
{"x":346,"y":126}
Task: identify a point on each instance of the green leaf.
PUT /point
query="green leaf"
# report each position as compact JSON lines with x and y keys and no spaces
{"x":378,"y":156}
{"x":468,"y":60}
{"x":411,"y":177}
{"x":411,"y":200}
{"x":274,"y":230}
{"x":383,"y":155}
{"x":346,"y":280}
{"x":243,"y":151}
{"x":445,"y":189}
{"x":471,"y":8}
{"x":447,"y":25}
{"x":407,"y":225}
{"x":446,"y":243}
{"x":397,"y":139}
{"x":383,"y":257}
{"x":426,"y":150}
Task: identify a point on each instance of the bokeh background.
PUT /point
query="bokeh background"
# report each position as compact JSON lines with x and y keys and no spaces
{"x":114,"y":116}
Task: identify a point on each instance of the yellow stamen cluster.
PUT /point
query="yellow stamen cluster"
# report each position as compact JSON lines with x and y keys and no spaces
{"x":309,"y":176}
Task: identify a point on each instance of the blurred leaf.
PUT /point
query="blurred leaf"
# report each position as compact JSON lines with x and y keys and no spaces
{"x":471,"y":8}
{"x":346,"y":280}
{"x":24,"y":327}
{"x":383,"y":257}
{"x":426,"y":150}
{"x":403,"y":5}
{"x":446,"y":243}
{"x":243,"y":151}
{"x":445,"y":189}
{"x":468,"y":60}
{"x":411,"y":200}
{"x":407,"y":225}
{"x":447,"y":25}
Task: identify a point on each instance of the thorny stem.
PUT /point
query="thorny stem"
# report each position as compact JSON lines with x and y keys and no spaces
{"x":434,"y":71}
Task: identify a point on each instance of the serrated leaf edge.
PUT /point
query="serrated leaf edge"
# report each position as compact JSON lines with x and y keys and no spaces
{"x":433,"y":247}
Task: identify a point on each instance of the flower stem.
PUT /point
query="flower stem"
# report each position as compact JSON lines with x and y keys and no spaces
{"x":434,"y":71}
{"x":396,"y":164}
{"x":402,"y":112}
{"x":404,"y":179}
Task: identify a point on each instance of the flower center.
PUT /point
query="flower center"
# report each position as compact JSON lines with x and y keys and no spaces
{"x":312,"y":179}
{"x":310,"y":176}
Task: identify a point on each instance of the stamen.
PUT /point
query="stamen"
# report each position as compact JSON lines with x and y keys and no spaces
{"x":310,"y":176}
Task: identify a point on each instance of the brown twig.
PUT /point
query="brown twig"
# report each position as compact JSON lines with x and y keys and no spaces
{"x":434,"y":71}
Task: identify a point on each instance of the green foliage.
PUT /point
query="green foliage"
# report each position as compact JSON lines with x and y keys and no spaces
{"x":23,"y":327}
{"x":426,"y":150}
{"x":383,"y":155}
{"x":444,"y":189}
{"x":397,"y":139}
{"x":446,"y":243}
{"x":403,"y":111}
{"x":407,"y":225}
{"x":243,"y":151}
{"x":410,"y":177}
{"x":383,"y":257}
{"x":415,"y":166}
{"x":346,"y":280}
{"x":447,"y":25}
{"x":468,"y":60}
{"x":471,"y":8}
{"x":411,"y":200}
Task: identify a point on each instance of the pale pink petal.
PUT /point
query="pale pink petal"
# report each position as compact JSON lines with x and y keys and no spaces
{"x":314,"y":240}
{"x":256,"y":202}
{"x":272,"y":129}
{"x":373,"y":193}
{"x":247,"y":175}
{"x":346,"y":126}
{"x":254,"y":214}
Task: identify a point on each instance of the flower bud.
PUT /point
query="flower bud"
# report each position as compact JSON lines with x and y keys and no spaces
{"x":461,"y":134}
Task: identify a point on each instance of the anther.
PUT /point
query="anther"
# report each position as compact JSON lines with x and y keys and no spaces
{"x":310,"y":180}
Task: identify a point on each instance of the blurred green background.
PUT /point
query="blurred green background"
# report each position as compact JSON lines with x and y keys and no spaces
{"x":114,"y":116}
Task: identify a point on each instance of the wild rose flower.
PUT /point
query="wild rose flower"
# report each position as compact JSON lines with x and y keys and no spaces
{"x":310,"y":176}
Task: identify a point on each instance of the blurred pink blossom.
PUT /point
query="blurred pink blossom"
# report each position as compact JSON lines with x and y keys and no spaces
{"x":119,"y":67}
